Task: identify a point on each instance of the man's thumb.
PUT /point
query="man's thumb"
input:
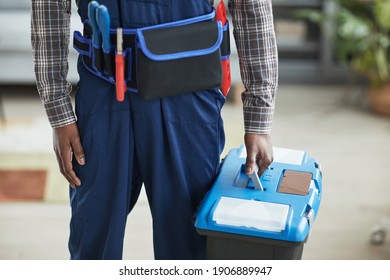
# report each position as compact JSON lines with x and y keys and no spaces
{"x":250,"y":164}
{"x":78,"y":151}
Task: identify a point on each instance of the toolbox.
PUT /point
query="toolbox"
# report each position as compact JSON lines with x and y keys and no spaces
{"x":244,"y":217}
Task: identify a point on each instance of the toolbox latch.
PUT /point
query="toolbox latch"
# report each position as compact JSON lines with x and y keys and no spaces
{"x":310,"y":215}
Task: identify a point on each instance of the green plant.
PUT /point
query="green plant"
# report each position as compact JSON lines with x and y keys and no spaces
{"x":361,"y":35}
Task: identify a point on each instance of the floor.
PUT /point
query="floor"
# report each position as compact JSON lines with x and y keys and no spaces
{"x":331,"y":123}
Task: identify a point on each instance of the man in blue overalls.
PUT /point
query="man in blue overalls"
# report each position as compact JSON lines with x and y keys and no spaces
{"x":171,"y":145}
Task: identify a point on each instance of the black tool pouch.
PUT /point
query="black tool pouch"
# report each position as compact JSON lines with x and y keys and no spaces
{"x":178,"y":59}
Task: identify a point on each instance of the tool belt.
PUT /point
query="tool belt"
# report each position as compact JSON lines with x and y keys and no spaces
{"x":162,"y":60}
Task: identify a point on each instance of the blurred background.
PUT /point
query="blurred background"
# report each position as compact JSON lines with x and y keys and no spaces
{"x":333,"y":102}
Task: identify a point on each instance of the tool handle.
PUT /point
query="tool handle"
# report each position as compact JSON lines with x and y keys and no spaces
{"x":226,"y":76}
{"x":120,"y":77}
{"x":96,"y":35}
{"x":103,"y":21}
{"x":220,"y":15}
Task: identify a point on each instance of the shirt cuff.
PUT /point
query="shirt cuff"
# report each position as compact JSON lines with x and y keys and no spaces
{"x":257,"y":116}
{"x":60,"y":112}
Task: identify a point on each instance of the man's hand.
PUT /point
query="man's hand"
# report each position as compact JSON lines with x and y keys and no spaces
{"x":259,"y":151}
{"x":66,"y":142}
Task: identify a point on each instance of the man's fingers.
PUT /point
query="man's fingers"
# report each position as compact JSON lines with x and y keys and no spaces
{"x":61,"y":165}
{"x":263,"y":164}
{"x":250,"y":164}
{"x":66,"y":142}
{"x":259,"y":152}
{"x":256,"y":161}
{"x":78,"y":151}
{"x":263,"y":161}
{"x":64,"y":158}
{"x":68,"y":168}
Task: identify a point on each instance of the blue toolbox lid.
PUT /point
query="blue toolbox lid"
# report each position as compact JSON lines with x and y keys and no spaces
{"x":281,"y":210}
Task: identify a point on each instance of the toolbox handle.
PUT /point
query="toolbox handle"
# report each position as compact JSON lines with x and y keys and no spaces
{"x":255,"y":179}
{"x":243,"y":180}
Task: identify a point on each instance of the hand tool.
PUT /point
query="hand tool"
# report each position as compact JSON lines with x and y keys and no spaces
{"x":220,"y":15}
{"x":96,"y":35}
{"x":120,"y":67}
{"x":103,"y":21}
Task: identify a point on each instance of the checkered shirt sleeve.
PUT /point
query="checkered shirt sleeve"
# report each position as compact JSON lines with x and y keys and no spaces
{"x":50,"y":32}
{"x":254,"y":34}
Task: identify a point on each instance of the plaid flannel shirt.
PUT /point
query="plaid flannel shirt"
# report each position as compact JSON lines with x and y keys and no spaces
{"x":254,"y":36}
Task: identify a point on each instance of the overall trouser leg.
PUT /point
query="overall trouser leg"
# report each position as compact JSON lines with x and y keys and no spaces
{"x":178,"y":143}
{"x":110,"y":180}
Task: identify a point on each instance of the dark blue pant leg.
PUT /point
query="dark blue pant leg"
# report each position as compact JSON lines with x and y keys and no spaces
{"x":101,"y":204}
{"x":178,"y":144}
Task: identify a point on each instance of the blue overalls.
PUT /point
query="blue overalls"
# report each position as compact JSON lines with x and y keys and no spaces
{"x":171,"y":145}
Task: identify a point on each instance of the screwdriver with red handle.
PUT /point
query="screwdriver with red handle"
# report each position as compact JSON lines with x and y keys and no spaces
{"x":220,"y":15}
{"x":120,"y":67}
